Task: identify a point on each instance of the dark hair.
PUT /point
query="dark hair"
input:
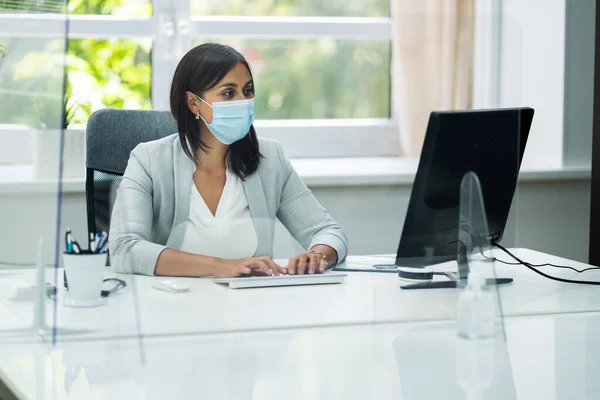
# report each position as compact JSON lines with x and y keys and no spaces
{"x":199,"y":70}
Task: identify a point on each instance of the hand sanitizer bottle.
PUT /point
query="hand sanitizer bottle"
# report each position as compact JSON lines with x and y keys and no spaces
{"x":475,"y":337}
{"x":475,"y":309}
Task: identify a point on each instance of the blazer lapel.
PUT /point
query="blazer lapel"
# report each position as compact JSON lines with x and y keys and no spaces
{"x":183,"y":170}
{"x":263,"y":222}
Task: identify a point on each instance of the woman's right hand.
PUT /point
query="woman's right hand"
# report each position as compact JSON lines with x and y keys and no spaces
{"x":261,"y":266}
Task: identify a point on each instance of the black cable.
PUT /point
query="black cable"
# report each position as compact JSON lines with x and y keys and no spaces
{"x":528,"y":265}
{"x":579,"y":271}
{"x":537,"y":265}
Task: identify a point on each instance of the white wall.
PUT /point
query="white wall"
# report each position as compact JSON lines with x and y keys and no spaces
{"x":17,"y":144}
{"x":24,"y":217}
{"x":532,"y":73}
{"x":552,"y":217}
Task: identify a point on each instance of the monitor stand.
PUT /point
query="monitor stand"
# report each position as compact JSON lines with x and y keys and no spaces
{"x":463,"y":271}
{"x":453,"y":284}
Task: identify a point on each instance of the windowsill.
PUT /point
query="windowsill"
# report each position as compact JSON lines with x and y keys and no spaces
{"x":401,"y":171}
{"x":19,"y":179}
{"x":316,"y":172}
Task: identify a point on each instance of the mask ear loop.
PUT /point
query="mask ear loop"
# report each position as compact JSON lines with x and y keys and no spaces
{"x":198,"y":116}
{"x":202,"y":100}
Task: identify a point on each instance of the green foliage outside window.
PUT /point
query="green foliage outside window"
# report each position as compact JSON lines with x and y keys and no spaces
{"x":295,"y":8}
{"x":320,"y":78}
{"x":294,"y":79}
{"x":109,"y":73}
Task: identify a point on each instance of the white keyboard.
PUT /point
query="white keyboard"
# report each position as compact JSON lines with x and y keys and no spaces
{"x":283,"y":280}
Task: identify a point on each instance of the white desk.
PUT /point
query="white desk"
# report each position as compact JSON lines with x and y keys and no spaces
{"x":365,"y":298}
{"x":553,"y":357}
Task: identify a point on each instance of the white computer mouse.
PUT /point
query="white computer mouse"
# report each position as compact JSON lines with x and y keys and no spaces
{"x":170,"y":285}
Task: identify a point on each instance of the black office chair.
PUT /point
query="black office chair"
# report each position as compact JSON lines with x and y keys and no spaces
{"x":111,"y":135}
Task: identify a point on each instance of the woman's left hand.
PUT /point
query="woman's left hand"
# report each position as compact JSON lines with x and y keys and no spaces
{"x":309,"y":263}
{"x":314,"y":261}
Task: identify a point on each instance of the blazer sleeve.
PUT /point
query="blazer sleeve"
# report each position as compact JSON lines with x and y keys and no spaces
{"x":300,"y":212}
{"x":131,"y":250}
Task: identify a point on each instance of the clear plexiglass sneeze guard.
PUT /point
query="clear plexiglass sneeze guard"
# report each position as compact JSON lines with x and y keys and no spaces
{"x":33,"y":110}
{"x":483,"y":364}
{"x":462,"y":339}
{"x":135,"y":312}
{"x":470,"y":350}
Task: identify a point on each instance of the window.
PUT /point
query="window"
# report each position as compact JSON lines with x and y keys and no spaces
{"x":297,"y":8}
{"x":119,"y":8}
{"x":322,"y":69}
{"x":318,"y":78}
{"x":107,"y":73}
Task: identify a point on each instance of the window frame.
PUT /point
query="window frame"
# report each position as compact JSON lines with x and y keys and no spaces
{"x":172,"y":29}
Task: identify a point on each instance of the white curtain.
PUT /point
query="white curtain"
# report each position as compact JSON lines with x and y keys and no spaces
{"x":432,"y":63}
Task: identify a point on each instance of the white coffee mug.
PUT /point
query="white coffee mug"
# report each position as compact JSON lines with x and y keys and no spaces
{"x":84,"y":275}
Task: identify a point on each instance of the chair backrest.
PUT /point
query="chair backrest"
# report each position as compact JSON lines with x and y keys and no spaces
{"x":111,"y":135}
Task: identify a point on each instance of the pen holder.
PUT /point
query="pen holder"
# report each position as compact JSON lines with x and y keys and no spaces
{"x":84,"y":274}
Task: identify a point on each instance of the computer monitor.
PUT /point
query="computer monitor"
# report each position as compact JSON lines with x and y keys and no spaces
{"x":488,"y":142}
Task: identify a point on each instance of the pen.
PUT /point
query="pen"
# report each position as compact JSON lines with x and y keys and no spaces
{"x":76,"y":248}
{"x":72,"y":245}
{"x":92,"y":242}
{"x":68,"y":242}
{"x":100,"y":247}
{"x":99,"y":237}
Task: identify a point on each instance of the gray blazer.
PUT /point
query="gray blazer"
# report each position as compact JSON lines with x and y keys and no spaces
{"x":151,"y":208}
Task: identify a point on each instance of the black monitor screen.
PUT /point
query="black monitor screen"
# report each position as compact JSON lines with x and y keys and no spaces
{"x":488,"y":142}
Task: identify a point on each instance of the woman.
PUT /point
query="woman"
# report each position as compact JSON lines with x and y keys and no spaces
{"x":204,"y":201}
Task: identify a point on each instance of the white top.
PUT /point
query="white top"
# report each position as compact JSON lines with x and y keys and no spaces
{"x":230,"y":233}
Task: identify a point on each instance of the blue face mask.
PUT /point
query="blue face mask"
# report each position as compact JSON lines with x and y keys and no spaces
{"x":231,"y":119}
